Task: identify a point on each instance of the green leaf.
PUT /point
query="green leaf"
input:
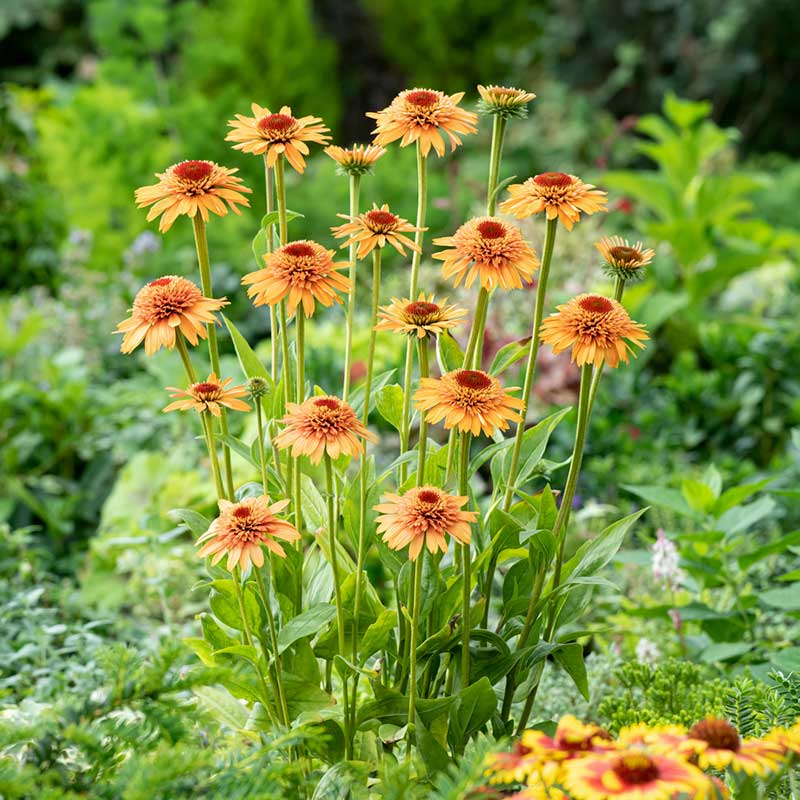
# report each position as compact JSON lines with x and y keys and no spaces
{"x":534,"y":443}
{"x":663,"y":497}
{"x":509,"y":354}
{"x":786,"y":598}
{"x":343,"y":781}
{"x":723,"y":651}
{"x":449,"y":355}
{"x":570,"y":657}
{"x":389,"y":402}
{"x":222,"y":706}
{"x":790,"y":539}
{"x":248,"y":360}
{"x":732,"y":497}
{"x":698,"y":495}
{"x":309,"y":623}
{"x":376,"y":637}
{"x":214,"y":634}
{"x":197,"y":523}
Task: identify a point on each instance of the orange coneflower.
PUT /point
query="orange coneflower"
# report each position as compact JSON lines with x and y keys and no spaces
{"x":192,"y":187}
{"x":421,"y":317}
{"x":323,"y":424}
{"x":504,"y":101}
{"x":597,"y":328}
{"x":356,"y":160}
{"x":631,"y":775}
{"x":276,"y":134}
{"x":623,"y":260}
{"x":208,"y":395}
{"x":164,"y":306}
{"x":560,"y":195}
{"x":716,"y":744}
{"x":242,"y":528}
{"x":303,"y":272}
{"x":376,"y":228}
{"x":423,"y":115}
{"x":489,"y":249}
{"x":467,"y":399}
{"x":423,"y":516}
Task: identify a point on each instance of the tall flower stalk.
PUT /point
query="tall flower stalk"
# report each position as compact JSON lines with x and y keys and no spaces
{"x":466,"y":563}
{"x":355,"y":191}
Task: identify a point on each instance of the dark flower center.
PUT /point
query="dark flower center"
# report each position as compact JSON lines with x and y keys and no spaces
{"x":636,"y":768}
{"x":491,"y":229}
{"x":596,"y":304}
{"x":428,"y":496}
{"x":553,"y":179}
{"x":326,"y":402}
{"x":160,"y":282}
{"x":241,"y":512}
{"x":623,"y":253}
{"x":193,"y":170}
{"x":421,"y":309}
{"x":381,"y":218}
{"x":298,"y":249}
{"x":473,"y":379}
{"x":422,"y":97}
{"x":276,"y":123}
{"x":206,"y":388}
{"x":719,"y":733}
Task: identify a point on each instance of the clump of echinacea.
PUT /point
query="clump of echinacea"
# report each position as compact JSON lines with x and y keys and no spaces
{"x":356,"y":160}
{"x":323,"y":425}
{"x":421,"y":317}
{"x":191,"y":188}
{"x":276,"y":134}
{"x":469,"y":400}
{"x":376,"y":228}
{"x":423,"y":115}
{"x":624,"y":260}
{"x":597,"y":328}
{"x":303,"y":273}
{"x":162,"y":309}
{"x":423,"y":517}
{"x":243,"y":529}
{"x":504,"y":101}
{"x":208,"y":395}
{"x":559,"y":195}
{"x":488,"y":250}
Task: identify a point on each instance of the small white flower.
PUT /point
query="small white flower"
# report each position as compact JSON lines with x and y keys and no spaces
{"x":647,"y":652}
{"x":665,"y":562}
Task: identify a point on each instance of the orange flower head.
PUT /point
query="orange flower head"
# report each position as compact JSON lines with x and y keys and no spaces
{"x":504,"y":101}
{"x":423,"y":115}
{"x":323,"y":424}
{"x":208,"y":395}
{"x":488,"y":249}
{"x":470,"y":400}
{"x":559,"y":195}
{"x":356,"y":160}
{"x":572,"y":739}
{"x":716,"y":744}
{"x":597,"y":328}
{"x":242,"y":529}
{"x":302,"y":272}
{"x":376,"y":228}
{"x":623,"y":260}
{"x":423,"y":516}
{"x":192,"y":187}
{"x":164,"y":306}
{"x":422,"y":317}
{"x":276,"y":134}
{"x":631,"y":775}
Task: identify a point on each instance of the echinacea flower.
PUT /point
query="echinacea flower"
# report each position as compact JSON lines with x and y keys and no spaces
{"x":302,"y":272}
{"x":423,"y":516}
{"x":559,"y":195}
{"x":631,"y":775}
{"x":356,"y":160}
{"x":376,"y":228}
{"x":423,"y":115}
{"x":421,"y":317}
{"x":161,"y":308}
{"x":716,"y":744}
{"x":471,"y":400}
{"x":323,"y":424}
{"x":276,"y":134}
{"x":490,"y":250}
{"x":191,"y":188}
{"x":242,"y":529}
{"x":504,"y":101}
{"x":208,"y":395}
{"x":597,"y":328}
{"x":622,"y":259}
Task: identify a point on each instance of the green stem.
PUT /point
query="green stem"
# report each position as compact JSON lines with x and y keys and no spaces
{"x":422,"y":446}
{"x":355,"y":190}
{"x":208,"y":429}
{"x":412,"y":685}
{"x":466,"y":564}
{"x":498,"y":135}
{"x":619,"y":287}
{"x":362,"y":520}
{"x":476,"y":334}
{"x":530,"y":367}
{"x":280,"y":191}
{"x":300,"y":328}
{"x":273,"y":315}
{"x":183,"y":351}
{"x":201,"y":245}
